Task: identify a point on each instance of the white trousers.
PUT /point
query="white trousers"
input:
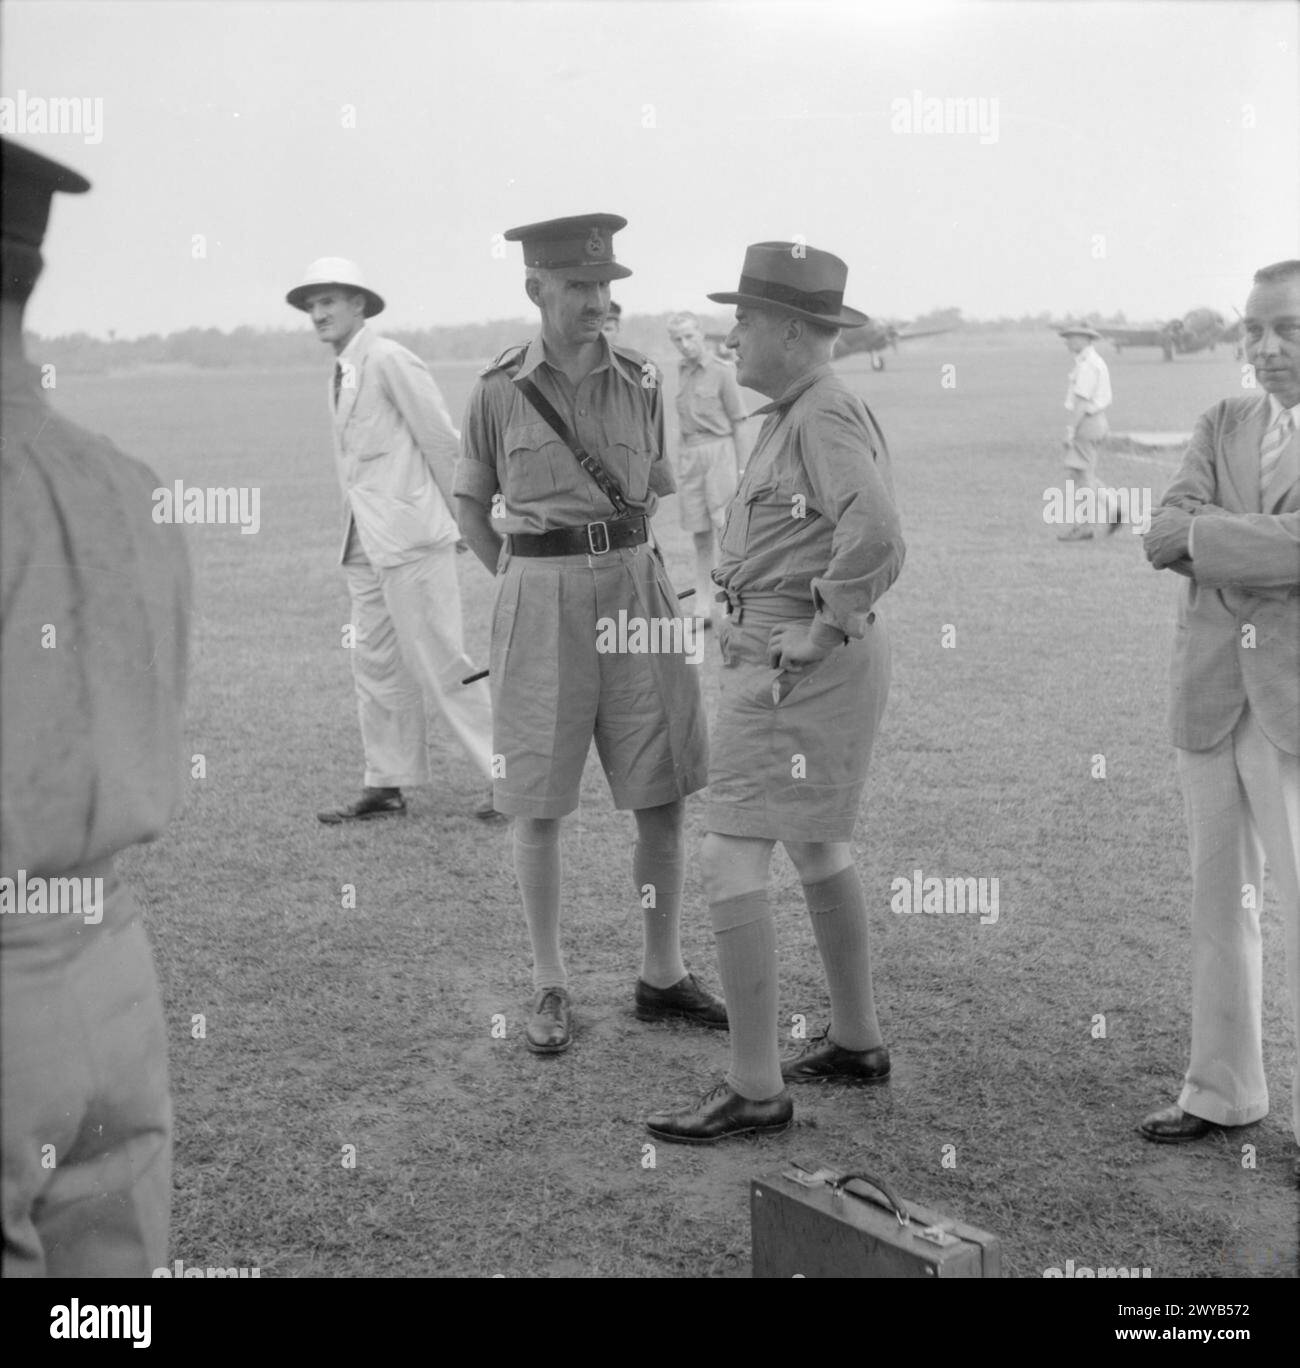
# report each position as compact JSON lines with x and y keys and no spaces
{"x":1243,"y":804}
{"x":408,"y":661}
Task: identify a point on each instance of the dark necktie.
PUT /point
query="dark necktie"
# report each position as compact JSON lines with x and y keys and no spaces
{"x":338,"y":382}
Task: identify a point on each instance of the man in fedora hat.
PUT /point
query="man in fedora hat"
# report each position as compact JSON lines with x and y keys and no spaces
{"x":94,"y":621}
{"x":396,"y":450}
{"x":811,"y":542}
{"x":1230,"y":523}
{"x":1087,"y":397}
{"x":562,"y":465}
{"x":712,"y":450}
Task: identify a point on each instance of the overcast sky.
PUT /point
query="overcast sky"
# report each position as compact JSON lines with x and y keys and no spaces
{"x":1135,"y":156}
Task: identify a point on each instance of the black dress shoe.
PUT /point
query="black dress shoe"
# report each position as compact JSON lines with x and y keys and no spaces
{"x":374,"y":802}
{"x":1174,"y":1126}
{"x":823,"y":1061}
{"x":548,"y":1030}
{"x":719,"y":1115}
{"x":486,"y":812}
{"x":683,"y":1000}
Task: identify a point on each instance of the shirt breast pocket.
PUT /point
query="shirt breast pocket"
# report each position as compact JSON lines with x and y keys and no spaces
{"x":530,"y":455}
{"x":630,"y":467}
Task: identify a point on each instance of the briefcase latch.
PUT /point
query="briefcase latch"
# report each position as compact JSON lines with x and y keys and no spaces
{"x":940,"y":1235}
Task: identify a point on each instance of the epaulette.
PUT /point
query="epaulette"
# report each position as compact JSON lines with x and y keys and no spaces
{"x":638,"y":365}
{"x":510,"y":360}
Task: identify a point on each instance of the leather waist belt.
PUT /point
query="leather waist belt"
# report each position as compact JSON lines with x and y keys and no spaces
{"x":595,"y":539}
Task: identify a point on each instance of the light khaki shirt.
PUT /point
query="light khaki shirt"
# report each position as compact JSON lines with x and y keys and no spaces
{"x":616,"y":413}
{"x":814,"y":516}
{"x":708,"y":398}
{"x":94,"y":622}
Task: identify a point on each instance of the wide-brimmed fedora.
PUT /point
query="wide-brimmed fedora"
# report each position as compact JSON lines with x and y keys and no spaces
{"x":1079,"y":330}
{"x":334,"y":271}
{"x":795,"y":279}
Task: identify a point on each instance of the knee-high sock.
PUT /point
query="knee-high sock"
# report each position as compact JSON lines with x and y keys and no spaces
{"x":658,"y":871}
{"x":746,"y":935}
{"x":838,"y":909}
{"x":537,"y":868}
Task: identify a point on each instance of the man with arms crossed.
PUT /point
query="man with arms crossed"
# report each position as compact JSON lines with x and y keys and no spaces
{"x":570,"y":548}
{"x":396,"y":450}
{"x":811,"y":542}
{"x":1230,"y":523}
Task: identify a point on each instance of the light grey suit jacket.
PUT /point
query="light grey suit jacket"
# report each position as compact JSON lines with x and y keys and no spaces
{"x":1238,"y":634}
{"x":396,"y":450}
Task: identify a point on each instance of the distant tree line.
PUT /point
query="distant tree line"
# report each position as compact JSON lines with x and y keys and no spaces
{"x":266,"y":348}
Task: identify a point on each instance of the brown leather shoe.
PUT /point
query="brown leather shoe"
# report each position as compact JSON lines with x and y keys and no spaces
{"x":823,"y":1061}
{"x":548,"y":1030}
{"x":720,"y":1114}
{"x":1173,"y":1126}
{"x":374,"y":802}
{"x":683,"y":1000}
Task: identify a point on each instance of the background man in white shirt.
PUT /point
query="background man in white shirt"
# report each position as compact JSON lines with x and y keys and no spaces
{"x":1087,"y":397}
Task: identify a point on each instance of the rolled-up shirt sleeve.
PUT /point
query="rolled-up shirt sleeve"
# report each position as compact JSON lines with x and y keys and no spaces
{"x":661,"y":480}
{"x":476,"y":468}
{"x":867,"y":546}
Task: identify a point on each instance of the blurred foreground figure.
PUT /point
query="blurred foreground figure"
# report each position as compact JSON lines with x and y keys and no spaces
{"x":1230,"y":522}
{"x":94,"y":617}
{"x":811,"y":542}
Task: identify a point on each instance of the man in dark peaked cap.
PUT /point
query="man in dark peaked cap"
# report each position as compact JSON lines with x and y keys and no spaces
{"x":562,"y":464}
{"x":94,"y":619}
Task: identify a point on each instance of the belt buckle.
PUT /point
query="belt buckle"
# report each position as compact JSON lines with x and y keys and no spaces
{"x":591,"y":540}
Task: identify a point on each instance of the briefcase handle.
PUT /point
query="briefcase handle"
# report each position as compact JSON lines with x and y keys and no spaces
{"x":891,"y":1203}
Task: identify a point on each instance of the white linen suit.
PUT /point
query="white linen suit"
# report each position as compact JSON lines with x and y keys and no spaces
{"x":1235,"y":717}
{"x":392,"y":432}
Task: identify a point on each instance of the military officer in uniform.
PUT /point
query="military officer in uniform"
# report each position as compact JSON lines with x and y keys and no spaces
{"x":562,"y":465}
{"x":94,"y":617}
{"x":810,"y":544}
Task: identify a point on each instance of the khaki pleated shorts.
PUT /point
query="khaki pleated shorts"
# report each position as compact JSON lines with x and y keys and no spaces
{"x":706,"y":483}
{"x":557,"y":685}
{"x":790,"y":764}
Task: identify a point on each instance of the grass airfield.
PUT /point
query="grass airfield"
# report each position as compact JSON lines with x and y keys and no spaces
{"x":373,"y":1026}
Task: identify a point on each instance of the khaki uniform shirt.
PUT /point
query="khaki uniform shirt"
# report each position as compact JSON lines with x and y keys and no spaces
{"x":814,"y":516}
{"x":616,"y":412}
{"x":708,"y":398}
{"x":94,"y":622}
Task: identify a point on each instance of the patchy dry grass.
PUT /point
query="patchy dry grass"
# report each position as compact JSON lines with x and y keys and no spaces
{"x":372,"y":1027}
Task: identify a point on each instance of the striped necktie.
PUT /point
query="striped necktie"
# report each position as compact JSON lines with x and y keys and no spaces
{"x":1270,"y":453}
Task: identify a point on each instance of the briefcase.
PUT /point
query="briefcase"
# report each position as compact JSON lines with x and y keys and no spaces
{"x":827,"y":1224}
